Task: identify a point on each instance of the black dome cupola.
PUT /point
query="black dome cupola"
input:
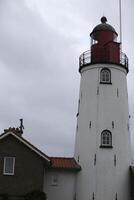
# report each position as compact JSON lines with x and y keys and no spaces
{"x":101,"y":28}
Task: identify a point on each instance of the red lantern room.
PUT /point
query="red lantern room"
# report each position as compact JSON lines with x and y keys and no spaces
{"x":104,"y":47}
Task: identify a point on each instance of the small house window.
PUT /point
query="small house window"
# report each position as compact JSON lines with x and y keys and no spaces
{"x":9,"y":165}
{"x":106,"y":139}
{"x":54,"y":180}
{"x":105,"y":76}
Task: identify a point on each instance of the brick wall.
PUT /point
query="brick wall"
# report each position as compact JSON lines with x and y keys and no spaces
{"x":29,"y":168}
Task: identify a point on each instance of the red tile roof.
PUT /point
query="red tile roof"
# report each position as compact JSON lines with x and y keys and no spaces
{"x":64,"y":163}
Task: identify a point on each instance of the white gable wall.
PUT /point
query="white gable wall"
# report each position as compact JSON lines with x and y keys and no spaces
{"x":65,"y":187}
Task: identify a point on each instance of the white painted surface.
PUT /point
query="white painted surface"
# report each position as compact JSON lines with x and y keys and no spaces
{"x":65,"y":187}
{"x":103,"y":179}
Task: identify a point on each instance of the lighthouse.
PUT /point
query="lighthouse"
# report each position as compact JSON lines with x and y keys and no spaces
{"x":102,"y":145}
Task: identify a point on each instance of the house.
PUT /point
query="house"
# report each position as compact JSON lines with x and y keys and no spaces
{"x":24,"y":168}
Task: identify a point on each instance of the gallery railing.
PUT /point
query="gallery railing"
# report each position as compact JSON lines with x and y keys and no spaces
{"x":85,"y":59}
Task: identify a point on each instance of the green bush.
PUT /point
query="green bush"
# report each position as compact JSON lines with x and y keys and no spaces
{"x":35,"y":195}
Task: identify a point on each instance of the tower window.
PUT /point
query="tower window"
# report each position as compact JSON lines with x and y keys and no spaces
{"x":105,"y":76}
{"x":106,"y":139}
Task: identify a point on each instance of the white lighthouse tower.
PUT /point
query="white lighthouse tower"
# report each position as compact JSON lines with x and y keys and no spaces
{"x":102,"y":137}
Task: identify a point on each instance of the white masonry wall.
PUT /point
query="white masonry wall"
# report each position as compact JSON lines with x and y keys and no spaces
{"x":105,"y":172}
{"x":63,"y":188}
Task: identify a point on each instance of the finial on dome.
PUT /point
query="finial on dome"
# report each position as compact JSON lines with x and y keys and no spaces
{"x":104,"y":20}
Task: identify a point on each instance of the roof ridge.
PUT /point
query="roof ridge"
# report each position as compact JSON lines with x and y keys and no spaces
{"x":27,"y":143}
{"x":58,"y":157}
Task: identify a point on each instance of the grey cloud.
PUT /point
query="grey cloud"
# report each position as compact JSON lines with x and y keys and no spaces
{"x":40,"y":42}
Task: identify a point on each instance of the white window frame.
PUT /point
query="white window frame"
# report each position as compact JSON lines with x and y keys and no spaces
{"x":107,"y":138}
{"x":105,"y":75}
{"x":11,"y":173}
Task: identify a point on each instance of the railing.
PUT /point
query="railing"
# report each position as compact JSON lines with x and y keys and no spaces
{"x":85,"y":59}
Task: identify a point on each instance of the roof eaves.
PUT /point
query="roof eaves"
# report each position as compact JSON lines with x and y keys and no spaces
{"x":74,"y":166}
{"x":28,"y":144}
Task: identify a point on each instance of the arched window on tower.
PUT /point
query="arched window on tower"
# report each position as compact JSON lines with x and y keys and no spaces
{"x":106,"y":139}
{"x":105,"y":76}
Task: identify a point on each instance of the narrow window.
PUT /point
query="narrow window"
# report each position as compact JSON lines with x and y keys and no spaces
{"x":81,"y":95}
{"x":95,"y":159}
{"x":93,"y":196}
{"x":106,"y":139}
{"x":90,"y":124}
{"x":112,"y":124}
{"x":97,"y":90}
{"x":9,"y":165}
{"x":77,"y":128}
{"x":105,"y":76}
{"x":78,"y":108}
{"x":128,"y":126}
{"x":74,"y":196}
{"x":78,"y":159}
{"x":117,"y":92}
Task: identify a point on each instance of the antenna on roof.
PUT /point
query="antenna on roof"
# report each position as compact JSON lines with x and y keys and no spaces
{"x":120,"y":16}
{"x":21,"y":125}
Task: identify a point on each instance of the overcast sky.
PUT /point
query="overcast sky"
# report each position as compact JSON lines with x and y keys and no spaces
{"x":40,"y":43}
